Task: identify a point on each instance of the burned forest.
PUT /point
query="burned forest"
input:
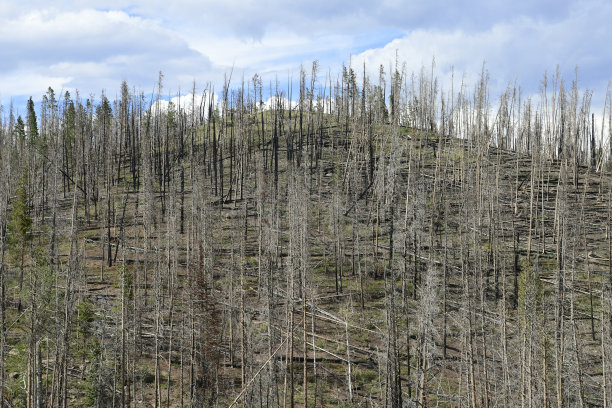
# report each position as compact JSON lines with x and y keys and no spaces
{"x":340,"y":239}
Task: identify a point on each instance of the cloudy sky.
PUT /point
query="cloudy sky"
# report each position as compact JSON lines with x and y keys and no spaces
{"x":70,"y":44}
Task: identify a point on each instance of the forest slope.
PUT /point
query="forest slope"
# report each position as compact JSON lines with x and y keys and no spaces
{"x":354,"y":250}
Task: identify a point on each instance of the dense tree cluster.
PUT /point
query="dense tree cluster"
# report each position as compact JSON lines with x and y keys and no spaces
{"x":377,"y":242}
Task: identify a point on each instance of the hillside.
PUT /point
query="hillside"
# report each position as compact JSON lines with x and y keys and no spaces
{"x":373,"y":246}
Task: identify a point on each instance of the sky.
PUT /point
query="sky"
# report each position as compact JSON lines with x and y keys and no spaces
{"x":91,"y":46}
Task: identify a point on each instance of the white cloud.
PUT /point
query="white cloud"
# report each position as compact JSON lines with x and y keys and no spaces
{"x":79,"y":45}
{"x":525,"y":48}
{"x":92,"y":50}
{"x":201,"y":101}
{"x":84,"y":35}
{"x":30,"y":83}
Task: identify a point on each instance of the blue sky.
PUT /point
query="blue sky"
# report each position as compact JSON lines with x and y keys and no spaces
{"x":69,"y":44}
